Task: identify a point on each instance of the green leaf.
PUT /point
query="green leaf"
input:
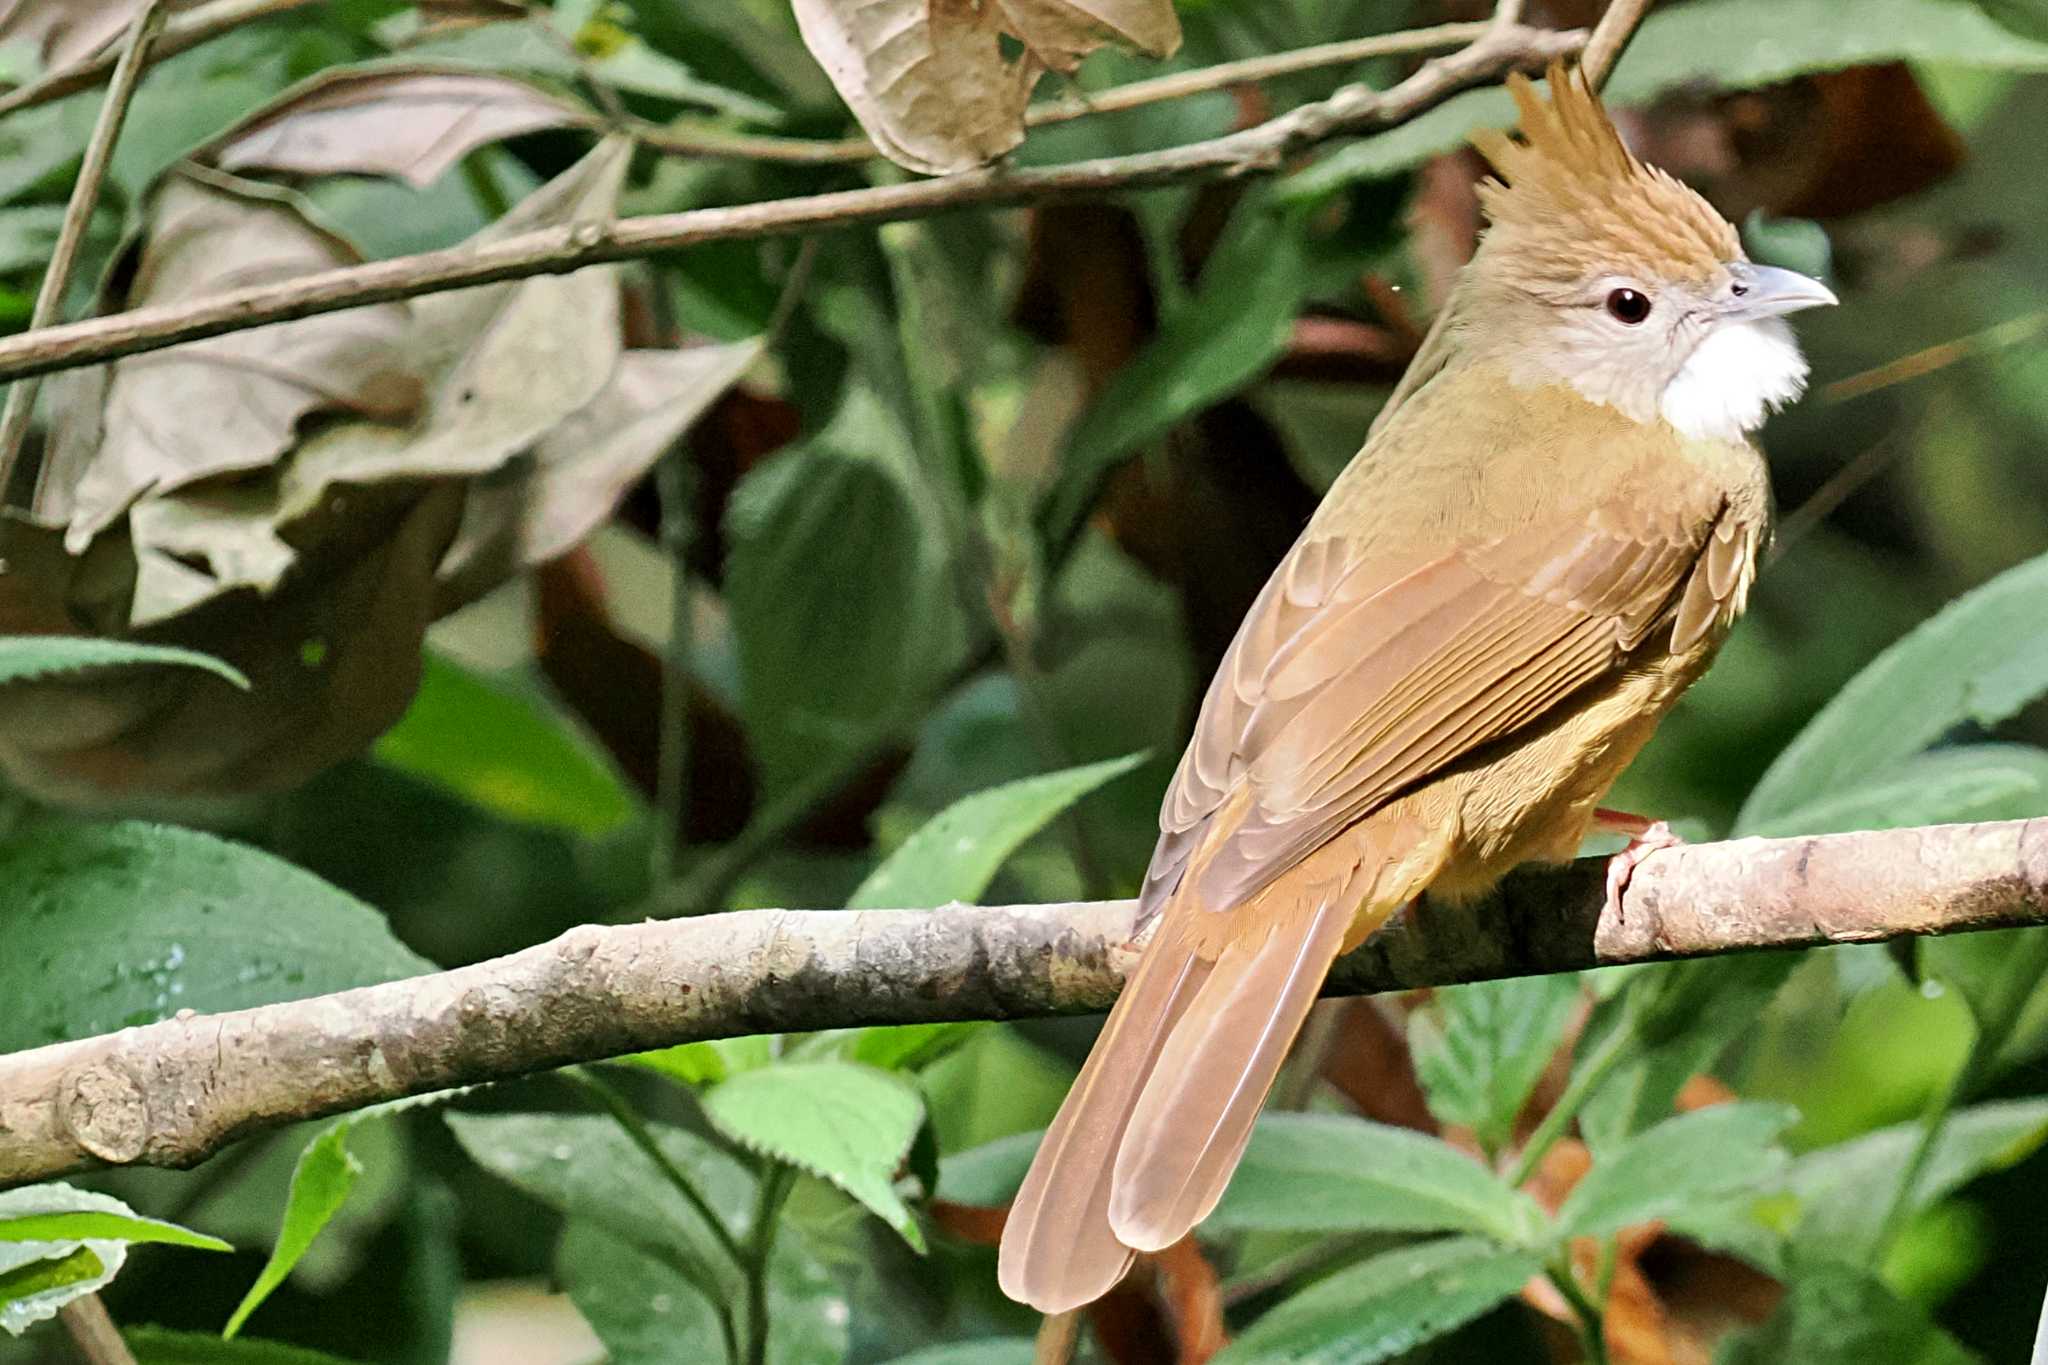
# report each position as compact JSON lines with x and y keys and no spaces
{"x":647,"y":1313}
{"x":1980,"y":659}
{"x":958,"y":852}
{"x":1709,"y":1155}
{"x":39,"y":656}
{"x":708,"y":1063}
{"x":33,"y":1290}
{"x":2027,"y":18}
{"x":1967,"y":783}
{"x":1238,"y":321}
{"x":126,"y":924}
{"x":586,"y":1167}
{"x":1993,"y":974}
{"x":1708,"y":45}
{"x":986,"y":1351}
{"x":320,"y":1185}
{"x":535,"y":769}
{"x":1480,"y":1049}
{"x":39,"y":1277}
{"x":834,"y":613}
{"x":1366,"y":1177}
{"x":988,"y":1175}
{"x":100,"y":1225}
{"x":1838,"y":1314}
{"x":161,"y":1346}
{"x":1381,"y":1307}
{"x":851,"y":1125}
{"x":1838,"y":1214}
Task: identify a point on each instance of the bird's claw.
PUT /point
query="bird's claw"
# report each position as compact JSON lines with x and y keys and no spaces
{"x":1653,"y":838}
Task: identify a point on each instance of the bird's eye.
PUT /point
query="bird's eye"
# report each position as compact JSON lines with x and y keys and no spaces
{"x":1628,"y":305}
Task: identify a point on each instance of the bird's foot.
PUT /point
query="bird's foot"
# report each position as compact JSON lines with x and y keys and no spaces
{"x":1645,"y":837}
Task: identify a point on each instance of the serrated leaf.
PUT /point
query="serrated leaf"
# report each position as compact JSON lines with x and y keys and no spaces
{"x":710,"y":1062}
{"x":957,"y":853}
{"x":851,"y":1125}
{"x":586,"y":1167}
{"x":162,"y":1346}
{"x":1381,"y":1307}
{"x":1480,"y":1049}
{"x":1708,"y":1155}
{"x":125,"y":924}
{"x":1838,"y":1215}
{"x":646,"y":1313}
{"x":1365,"y":1176}
{"x":23,"y":657}
{"x":1980,"y":659}
{"x":321,"y":1182}
{"x":1708,"y":45}
{"x":1834,"y":1313}
{"x":1967,"y":783}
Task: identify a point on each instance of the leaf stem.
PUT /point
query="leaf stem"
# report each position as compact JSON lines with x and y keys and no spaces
{"x":1589,"y":1320}
{"x":776,"y":1180}
{"x":85,"y":197}
{"x":1612,"y":1050}
{"x":628,"y":1118}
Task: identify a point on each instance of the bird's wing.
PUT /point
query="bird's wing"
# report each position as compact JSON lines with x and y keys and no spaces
{"x":1354,"y":678}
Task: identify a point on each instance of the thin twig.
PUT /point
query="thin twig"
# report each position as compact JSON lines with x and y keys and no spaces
{"x":1262,"y":150}
{"x":1840,"y":485}
{"x":170,"y":1093}
{"x":2011,"y":332}
{"x":93,"y":1332}
{"x":182,"y":34}
{"x":695,"y":141}
{"x":85,"y":197}
{"x":1610,"y":36}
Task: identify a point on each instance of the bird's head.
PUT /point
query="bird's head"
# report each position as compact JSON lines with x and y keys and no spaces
{"x":1611,"y":276}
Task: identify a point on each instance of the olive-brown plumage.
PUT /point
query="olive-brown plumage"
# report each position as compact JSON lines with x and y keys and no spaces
{"x":1539,"y":548}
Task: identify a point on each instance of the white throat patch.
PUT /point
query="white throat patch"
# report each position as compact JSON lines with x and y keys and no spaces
{"x":1738,"y":375}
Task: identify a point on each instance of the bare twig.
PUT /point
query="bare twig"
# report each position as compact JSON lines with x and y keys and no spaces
{"x":1928,"y":360}
{"x":1254,"y":151}
{"x":85,"y":197}
{"x":1610,"y":36}
{"x":168,"y":1094}
{"x":93,"y":1333}
{"x":182,"y":34}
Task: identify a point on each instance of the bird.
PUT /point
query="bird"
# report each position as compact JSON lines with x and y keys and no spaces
{"x":1542,"y":543}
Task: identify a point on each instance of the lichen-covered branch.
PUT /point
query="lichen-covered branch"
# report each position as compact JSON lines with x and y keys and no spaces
{"x":169,"y":1094}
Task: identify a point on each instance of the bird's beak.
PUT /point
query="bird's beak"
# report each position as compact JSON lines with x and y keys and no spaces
{"x":1765,"y":291}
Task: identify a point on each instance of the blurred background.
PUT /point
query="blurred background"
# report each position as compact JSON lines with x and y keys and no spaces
{"x":991,"y":501}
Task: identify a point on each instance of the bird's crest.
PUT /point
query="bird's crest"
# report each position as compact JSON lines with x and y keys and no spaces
{"x":1570,"y":190}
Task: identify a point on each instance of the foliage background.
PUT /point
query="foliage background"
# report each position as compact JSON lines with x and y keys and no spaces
{"x":989,"y":508}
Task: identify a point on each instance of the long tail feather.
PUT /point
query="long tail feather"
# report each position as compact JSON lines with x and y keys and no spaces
{"x":1058,"y":1251}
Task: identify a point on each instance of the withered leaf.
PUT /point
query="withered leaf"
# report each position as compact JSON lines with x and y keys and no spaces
{"x":581,"y":469}
{"x":929,"y":80}
{"x":409,"y":122}
{"x":67,"y":31}
{"x":160,"y":421}
{"x":502,"y":365}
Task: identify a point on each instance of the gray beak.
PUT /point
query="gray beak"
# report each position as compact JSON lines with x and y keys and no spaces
{"x":1765,"y":291}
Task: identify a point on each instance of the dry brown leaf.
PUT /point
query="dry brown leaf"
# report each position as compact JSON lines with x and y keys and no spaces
{"x":166,"y":419}
{"x":581,"y":469}
{"x":67,"y":31}
{"x":408,"y":122}
{"x":929,"y":81}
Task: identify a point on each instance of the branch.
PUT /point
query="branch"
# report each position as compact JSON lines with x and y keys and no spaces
{"x":555,"y":251}
{"x":170,"y":1094}
{"x":182,"y":34}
